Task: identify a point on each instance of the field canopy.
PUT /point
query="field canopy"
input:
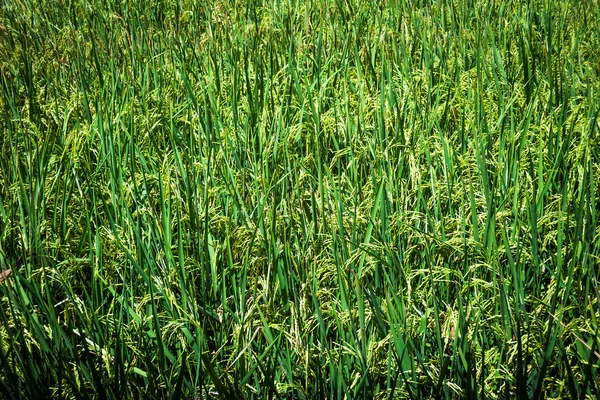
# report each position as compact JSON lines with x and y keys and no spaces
{"x":299,"y":199}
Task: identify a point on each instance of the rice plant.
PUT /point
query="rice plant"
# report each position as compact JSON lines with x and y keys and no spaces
{"x":299,"y":199}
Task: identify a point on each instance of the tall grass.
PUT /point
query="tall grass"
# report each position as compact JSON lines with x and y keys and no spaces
{"x":299,"y":199}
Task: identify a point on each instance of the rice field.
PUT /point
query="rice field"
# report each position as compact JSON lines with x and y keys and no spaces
{"x":301,"y":199}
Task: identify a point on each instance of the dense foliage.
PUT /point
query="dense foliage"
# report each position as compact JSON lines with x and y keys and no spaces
{"x":299,"y":199}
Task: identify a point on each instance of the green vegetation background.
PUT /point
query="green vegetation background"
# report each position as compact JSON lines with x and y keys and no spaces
{"x":299,"y":199}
